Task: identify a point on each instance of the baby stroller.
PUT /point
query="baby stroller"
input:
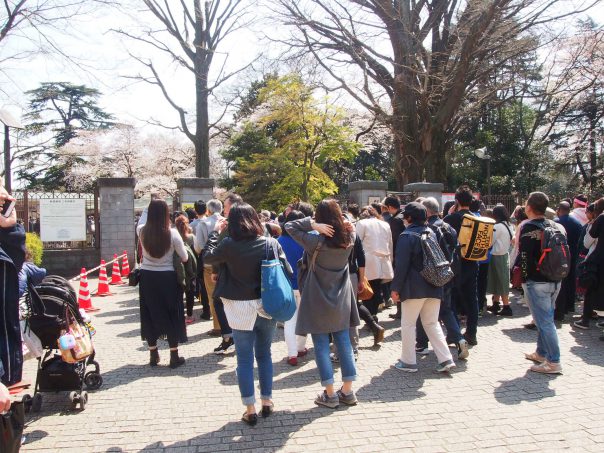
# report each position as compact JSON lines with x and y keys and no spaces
{"x":52,"y":304}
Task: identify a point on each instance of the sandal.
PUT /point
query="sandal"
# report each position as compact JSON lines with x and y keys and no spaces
{"x":267,"y":410}
{"x":249,"y":419}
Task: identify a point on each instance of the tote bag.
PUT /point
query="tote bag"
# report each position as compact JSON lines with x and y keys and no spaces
{"x":277,"y":294}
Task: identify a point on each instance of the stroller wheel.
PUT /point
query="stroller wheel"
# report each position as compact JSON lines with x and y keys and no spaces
{"x":36,"y":405}
{"x":27,"y":402}
{"x":93,"y":380}
{"x":74,"y":397}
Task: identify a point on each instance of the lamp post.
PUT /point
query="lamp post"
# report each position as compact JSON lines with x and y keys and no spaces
{"x":482,"y":153}
{"x":9,"y":121}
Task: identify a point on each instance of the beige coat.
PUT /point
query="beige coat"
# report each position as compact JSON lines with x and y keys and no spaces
{"x":377,"y":242}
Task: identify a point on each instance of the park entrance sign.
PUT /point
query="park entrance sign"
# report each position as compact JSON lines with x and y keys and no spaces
{"x":62,"y":219}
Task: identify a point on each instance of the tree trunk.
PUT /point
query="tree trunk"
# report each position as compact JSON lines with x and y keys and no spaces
{"x":202,"y":130}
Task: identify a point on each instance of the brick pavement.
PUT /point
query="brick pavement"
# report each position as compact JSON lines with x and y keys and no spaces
{"x":490,"y":402}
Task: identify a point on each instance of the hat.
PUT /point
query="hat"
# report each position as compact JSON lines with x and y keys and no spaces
{"x":416,"y":211}
{"x":550,"y":214}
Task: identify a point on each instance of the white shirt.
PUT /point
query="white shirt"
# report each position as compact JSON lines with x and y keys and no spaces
{"x":377,"y":242}
{"x":204,"y":227}
{"x":166,"y":262}
{"x":502,"y":238}
{"x":242,"y":314}
{"x":589,"y":242}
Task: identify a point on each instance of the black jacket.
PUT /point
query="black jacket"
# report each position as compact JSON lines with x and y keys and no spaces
{"x":239,"y":277}
{"x":12,"y":255}
{"x":397,"y":227}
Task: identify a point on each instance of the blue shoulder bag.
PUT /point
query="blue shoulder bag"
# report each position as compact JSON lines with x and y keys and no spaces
{"x":277,"y":294}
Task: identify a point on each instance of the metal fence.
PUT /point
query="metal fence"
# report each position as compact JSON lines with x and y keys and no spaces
{"x":28,"y":214}
{"x":509,"y":201}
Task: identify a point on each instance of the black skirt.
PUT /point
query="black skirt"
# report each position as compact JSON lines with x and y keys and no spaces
{"x":161,"y":305}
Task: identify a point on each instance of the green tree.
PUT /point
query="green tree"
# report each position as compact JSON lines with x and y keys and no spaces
{"x":295,"y":135}
{"x":61,"y":109}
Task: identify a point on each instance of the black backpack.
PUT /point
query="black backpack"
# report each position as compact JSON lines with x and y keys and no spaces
{"x":447,"y":239}
{"x":555,"y":260}
{"x":436,"y":268}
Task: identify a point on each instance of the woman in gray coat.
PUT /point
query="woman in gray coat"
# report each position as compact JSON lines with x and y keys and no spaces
{"x":327,"y":303}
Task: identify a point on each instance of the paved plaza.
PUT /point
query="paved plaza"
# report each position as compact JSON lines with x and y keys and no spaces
{"x":489,"y":403}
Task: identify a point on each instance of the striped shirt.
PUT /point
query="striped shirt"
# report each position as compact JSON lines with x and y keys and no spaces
{"x":242,"y":314}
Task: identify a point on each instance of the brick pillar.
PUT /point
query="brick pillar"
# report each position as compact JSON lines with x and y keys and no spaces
{"x":192,"y":189}
{"x":116,"y":203}
{"x":362,"y":192}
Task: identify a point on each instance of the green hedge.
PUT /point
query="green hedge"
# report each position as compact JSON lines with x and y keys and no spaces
{"x":35,"y":247}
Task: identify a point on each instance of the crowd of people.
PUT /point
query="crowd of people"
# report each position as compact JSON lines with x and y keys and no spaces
{"x":345,"y":266}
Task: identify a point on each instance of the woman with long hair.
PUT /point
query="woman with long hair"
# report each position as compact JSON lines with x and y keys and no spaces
{"x":161,"y":303}
{"x":498,"y":280}
{"x":188,"y":279}
{"x":327,"y":303}
{"x":240,"y":256}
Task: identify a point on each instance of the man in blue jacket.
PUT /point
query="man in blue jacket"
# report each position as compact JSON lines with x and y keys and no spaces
{"x":565,"y":302}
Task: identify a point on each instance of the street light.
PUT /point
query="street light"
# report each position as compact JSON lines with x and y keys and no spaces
{"x":9,"y":121}
{"x":482,"y":153}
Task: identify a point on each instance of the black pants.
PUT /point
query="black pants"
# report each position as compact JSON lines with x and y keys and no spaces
{"x":190,"y":298}
{"x":483,"y":274}
{"x":365,"y":315}
{"x":373,"y":303}
{"x":565,"y":302}
{"x":225,"y":329}
{"x":466,"y":295}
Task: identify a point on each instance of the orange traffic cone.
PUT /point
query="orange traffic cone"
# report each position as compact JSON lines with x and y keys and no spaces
{"x":84,"y":301}
{"x":125,"y":265}
{"x":116,"y":278}
{"x":103,"y":288}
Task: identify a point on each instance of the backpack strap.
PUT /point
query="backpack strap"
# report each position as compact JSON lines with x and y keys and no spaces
{"x":506,"y":227}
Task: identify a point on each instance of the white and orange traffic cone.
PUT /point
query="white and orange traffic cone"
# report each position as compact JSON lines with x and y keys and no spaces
{"x":116,"y":278}
{"x":103,"y":288}
{"x":84,"y":301}
{"x":125,"y":265}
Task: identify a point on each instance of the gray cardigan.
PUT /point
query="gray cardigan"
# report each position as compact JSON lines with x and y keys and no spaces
{"x":327,"y":303}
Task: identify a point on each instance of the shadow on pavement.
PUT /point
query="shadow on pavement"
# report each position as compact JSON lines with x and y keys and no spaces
{"x":521,"y":335}
{"x":194,"y":367}
{"x":269,"y":435}
{"x":588,"y":347}
{"x":530,"y":387}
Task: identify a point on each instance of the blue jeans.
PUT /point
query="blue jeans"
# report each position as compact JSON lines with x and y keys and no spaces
{"x":247,"y":343}
{"x":342,"y":341}
{"x":541,"y":299}
{"x":448,"y":318}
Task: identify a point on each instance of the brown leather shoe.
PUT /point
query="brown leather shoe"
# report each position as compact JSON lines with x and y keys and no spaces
{"x":378,"y":334}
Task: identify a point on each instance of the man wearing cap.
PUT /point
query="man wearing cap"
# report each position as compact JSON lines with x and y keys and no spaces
{"x":579,"y":205}
{"x":418,"y":297}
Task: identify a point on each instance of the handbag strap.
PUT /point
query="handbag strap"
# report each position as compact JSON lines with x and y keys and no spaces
{"x":271,"y":243}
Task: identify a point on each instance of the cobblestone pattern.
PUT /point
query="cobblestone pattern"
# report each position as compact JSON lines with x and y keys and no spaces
{"x":489,"y":403}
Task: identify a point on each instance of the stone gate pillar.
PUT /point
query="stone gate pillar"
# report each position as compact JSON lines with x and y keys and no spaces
{"x":192,"y":189}
{"x":427,"y":189}
{"x":116,"y":204}
{"x":365,"y":192}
